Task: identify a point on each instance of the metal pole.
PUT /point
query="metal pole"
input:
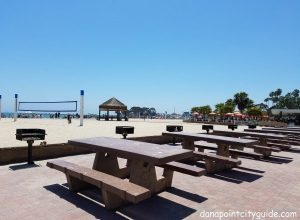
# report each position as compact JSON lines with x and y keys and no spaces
{"x":0,"y":106}
{"x":81,"y":106}
{"x":16,"y":107}
{"x":29,"y":158}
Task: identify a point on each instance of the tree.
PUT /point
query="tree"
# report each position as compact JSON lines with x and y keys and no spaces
{"x":290,"y":101}
{"x":223,"y":108}
{"x":230,"y":102}
{"x":242,"y":101}
{"x":275,"y":97}
{"x":254,"y":111}
{"x":206,"y":109}
{"x":135,"y":110}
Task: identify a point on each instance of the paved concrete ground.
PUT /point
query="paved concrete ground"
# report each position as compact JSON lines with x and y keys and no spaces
{"x":41,"y":193}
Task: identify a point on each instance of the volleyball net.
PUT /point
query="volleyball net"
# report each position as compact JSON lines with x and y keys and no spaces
{"x":58,"y":106}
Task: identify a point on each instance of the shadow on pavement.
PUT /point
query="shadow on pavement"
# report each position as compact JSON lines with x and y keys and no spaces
{"x":235,"y":176}
{"x":154,"y":208}
{"x":22,"y":166}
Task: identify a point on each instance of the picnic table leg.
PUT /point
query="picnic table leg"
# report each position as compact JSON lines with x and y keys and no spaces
{"x":168,"y":175}
{"x":108,"y":163}
{"x":144,"y":174}
{"x":236,"y":156}
{"x":263,"y":141}
{"x":223,"y":150}
{"x":188,"y":144}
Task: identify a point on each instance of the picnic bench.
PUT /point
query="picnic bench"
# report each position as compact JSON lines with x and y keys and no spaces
{"x":234,"y":153}
{"x":285,"y":132}
{"x":283,"y":129}
{"x":213,"y":164}
{"x":273,"y":141}
{"x":293,"y":135}
{"x":262,"y":148}
{"x":140,"y":169}
{"x":115,"y":191}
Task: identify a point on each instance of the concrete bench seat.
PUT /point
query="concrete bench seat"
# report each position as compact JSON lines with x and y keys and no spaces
{"x":285,"y":141}
{"x":79,"y":177}
{"x":215,"y":163}
{"x":279,"y":145}
{"x":184,"y":168}
{"x":233,"y":152}
{"x":273,"y":149}
{"x":236,"y":153}
{"x":208,"y":156}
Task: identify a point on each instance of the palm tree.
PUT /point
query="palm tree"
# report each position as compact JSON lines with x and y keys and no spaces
{"x":242,"y":101}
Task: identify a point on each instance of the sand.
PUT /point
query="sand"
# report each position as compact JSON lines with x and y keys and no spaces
{"x":59,"y":131}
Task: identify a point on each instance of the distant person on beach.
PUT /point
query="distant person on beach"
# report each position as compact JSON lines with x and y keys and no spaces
{"x":69,"y":118}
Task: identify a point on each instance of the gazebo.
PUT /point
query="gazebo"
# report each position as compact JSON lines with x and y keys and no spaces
{"x":113,"y":104}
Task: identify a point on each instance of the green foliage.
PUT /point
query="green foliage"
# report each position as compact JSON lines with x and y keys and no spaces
{"x":223,"y":108}
{"x":290,"y":101}
{"x":254,"y":111}
{"x":206,"y":109}
{"x":242,"y":101}
{"x":143,"y":111}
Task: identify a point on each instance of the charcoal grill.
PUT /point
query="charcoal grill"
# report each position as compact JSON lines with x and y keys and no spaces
{"x":124,"y":130}
{"x":207,"y":128}
{"x":232,"y":127}
{"x":252,"y":126}
{"x":174,"y":128}
{"x":30,"y":135}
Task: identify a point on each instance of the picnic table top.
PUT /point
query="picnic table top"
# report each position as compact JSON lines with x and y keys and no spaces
{"x":253,"y":134}
{"x":213,"y":138}
{"x":135,"y":150}
{"x":273,"y":131}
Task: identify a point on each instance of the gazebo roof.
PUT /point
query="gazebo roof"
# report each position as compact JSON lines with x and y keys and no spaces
{"x":113,"y":104}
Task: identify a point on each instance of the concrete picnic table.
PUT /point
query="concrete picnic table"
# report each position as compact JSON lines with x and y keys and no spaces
{"x":295,"y":133}
{"x":263,"y":147}
{"x":261,"y":136}
{"x":284,"y":129}
{"x":141,"y":160}
{"x":222,"y":142}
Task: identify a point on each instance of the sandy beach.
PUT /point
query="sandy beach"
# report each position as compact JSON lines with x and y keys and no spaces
{"x":59,"y":131}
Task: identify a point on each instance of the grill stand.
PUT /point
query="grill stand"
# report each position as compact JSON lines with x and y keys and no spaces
{"x":30,"y":160}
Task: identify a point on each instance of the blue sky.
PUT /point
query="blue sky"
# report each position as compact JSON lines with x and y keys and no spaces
{"x":155,"y":53}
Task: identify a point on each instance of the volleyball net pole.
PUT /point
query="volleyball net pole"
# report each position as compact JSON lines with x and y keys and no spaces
{"x":16,"y":108}
{"x":81,"y":106}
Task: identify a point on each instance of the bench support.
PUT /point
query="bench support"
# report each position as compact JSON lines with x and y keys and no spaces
{"x":215,"y":166}
{"x":76,"y":184}
{"x":111,"y":201}
{"x":264,"y":152}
